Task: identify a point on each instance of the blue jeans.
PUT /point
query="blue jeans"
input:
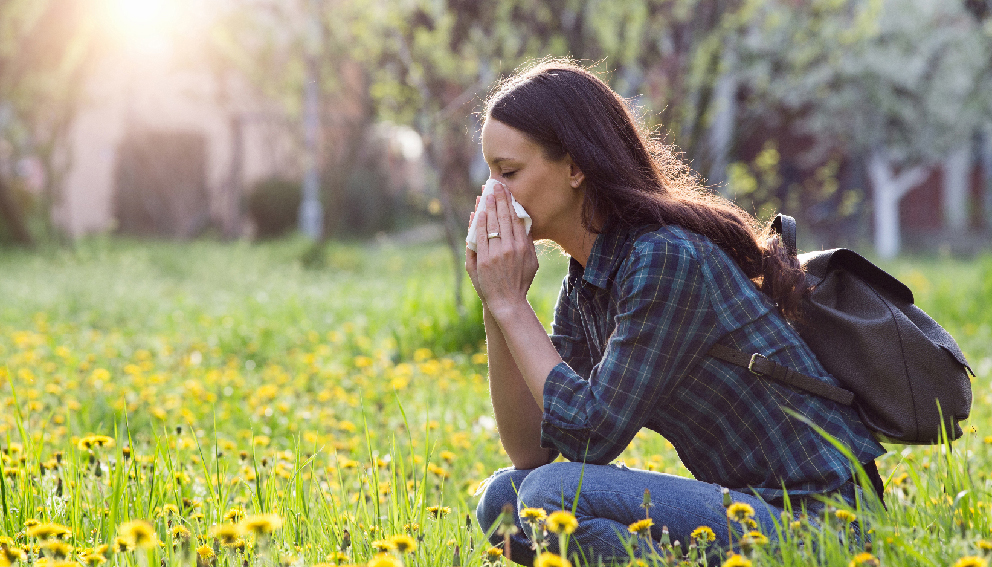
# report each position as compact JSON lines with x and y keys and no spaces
{"x":611,"y":498}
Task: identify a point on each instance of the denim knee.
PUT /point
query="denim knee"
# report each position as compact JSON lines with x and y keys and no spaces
{"x":500,"y":489}
{"x":544,"y":486}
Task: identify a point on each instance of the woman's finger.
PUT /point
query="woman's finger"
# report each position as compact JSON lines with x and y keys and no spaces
{"x":504,"y":212}
{"x":492,"y":221}
{"x":481,"y":242}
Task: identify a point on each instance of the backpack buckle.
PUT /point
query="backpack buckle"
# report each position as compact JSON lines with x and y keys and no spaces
{"x":754,"y":360}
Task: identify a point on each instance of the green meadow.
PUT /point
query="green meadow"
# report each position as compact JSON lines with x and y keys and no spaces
{"x":274,"y":404}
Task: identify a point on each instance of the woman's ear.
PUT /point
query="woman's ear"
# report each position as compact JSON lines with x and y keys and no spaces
{"x":575,"y":175}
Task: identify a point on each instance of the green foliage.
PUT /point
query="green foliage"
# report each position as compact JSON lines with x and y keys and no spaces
{"x":274,"y":206}
{"x":858,"y":74}
{"x":26,"y":204}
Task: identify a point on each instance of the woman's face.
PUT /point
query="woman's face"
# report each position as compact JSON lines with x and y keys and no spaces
{"x":550,"y":191}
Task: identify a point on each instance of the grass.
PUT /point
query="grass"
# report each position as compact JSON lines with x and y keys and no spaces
{"x":340,"y":391}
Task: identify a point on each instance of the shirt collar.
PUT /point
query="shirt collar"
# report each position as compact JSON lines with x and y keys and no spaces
{"x":606,"y":256}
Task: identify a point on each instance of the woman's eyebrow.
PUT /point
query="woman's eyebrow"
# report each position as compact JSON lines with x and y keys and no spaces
{"x":497,"y":161}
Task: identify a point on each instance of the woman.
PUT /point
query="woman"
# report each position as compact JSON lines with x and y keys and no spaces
{"x":660,"y":271}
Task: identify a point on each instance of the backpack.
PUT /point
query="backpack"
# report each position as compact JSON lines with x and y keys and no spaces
{"x":904,"y":374}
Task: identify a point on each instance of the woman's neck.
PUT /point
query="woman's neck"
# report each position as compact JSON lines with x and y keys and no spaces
{"x":583,"y":249}
{"x":578,"y":243}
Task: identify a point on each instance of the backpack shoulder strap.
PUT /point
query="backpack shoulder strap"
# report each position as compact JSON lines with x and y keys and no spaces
{"x":762,"y":366}
{"x":785,"y":226}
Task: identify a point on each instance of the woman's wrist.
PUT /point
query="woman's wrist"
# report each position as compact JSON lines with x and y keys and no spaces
{"x":503,"y":311}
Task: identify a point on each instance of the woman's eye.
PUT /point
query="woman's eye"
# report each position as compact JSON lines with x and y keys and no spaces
{"x":508,"y":174}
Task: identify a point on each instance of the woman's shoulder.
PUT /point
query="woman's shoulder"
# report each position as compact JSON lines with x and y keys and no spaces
{"x":673,"y":248}
{"x":668,"y":240}
{"x":660,"y":250}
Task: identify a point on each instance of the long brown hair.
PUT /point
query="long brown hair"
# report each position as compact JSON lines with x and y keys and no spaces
{"x":633,"y":179}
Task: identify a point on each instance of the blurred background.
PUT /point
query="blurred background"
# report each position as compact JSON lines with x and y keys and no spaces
{"x":868,"y":120}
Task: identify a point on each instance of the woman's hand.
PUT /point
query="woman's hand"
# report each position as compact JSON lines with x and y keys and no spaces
{"x":503,"y":268}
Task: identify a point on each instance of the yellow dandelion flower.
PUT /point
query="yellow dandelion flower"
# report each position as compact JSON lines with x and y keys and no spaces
{"x":971,"y":561}
{"x":227,"y":533}
{"x":404,"y":543}
{"x":10,"y":551}
{"x":239,"y":545}
{"x":205,"y":552}
{"x":103,"y":441}
{"x":754,"y":538}
{"x":703,"y":535}
{"x":261,"y":524}
{"x":845,"y":516}
{"x":168,"y":511}
{"x":138,"y":533}
{"x":641,"y":527}
{"x":56,"y":548}
{"x":90,"y":441}
{"x":382,"y":545}
{"x":739,"y":511}
{"x":864,"y":559}
{"x":337,"y":558}
{"x":984,"y":545}
{"x":436,"y":470}
{"x":181,"y":533}
{"x":494,"y":553}
{"x":30,"y":523}
{"x":737,"y":561}
{"x":47,"y":531}
{"x":93,"y":559}
{"x":234,"y":515}
{"x":121,"y":545}
{"x":384,"y":560}
{"x":438,"y":511}
{"x":533,"y":515}
{"x":551,"y":560}
{"x":561,"y":521}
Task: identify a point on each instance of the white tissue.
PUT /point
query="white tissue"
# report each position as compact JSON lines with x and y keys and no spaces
{"x":517,"y":208}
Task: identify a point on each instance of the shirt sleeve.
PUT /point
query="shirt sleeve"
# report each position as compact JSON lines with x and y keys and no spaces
{"x":663,"y":324}
{"x":567,"y":334}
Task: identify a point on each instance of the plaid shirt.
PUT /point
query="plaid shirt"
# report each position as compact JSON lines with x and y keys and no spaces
{"x":633,"y":329}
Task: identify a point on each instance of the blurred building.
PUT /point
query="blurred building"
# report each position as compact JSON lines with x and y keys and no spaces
{"x":167,"y":150}
{"x":166,"y":139}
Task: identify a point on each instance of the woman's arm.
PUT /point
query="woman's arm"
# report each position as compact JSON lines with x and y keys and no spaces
{"x":517,"y":409}
{"x":518,"y":416}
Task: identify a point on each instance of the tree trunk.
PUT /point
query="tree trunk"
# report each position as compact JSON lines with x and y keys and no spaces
{"x":986,"y":153}
{"x":452,"y":152}
{"x":13,"y":216}
{"x":888,"y":189}
{"x":721,"y":131}
{"x":957,"y":177}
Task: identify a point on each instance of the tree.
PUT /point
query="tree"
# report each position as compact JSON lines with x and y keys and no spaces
{"x":903,"y":82}
{"x":45,"y":50}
